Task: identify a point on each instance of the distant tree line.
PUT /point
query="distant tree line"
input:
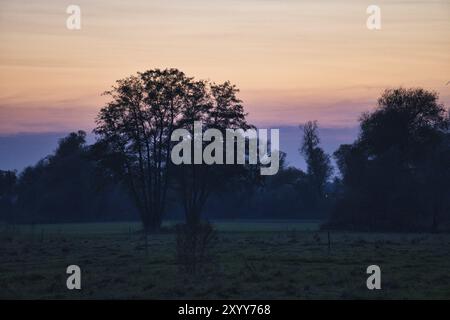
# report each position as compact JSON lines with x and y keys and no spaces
{"x":63,"y":187}
{"x":395,"y":176}
{"x":39,"y":194}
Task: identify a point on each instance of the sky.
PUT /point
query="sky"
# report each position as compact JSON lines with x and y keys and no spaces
{"x":293,"y":60}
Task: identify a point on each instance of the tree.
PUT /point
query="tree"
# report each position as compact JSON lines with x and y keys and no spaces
{"x":406,"y":120}
{"x":8,"y":181}
{"x":57,"y":187}
{"x":65,"y":187}
{"x":218,"y":108}
{"x":396,"y":174}
{"x":319,"y":168}
{"x":134,"y":130}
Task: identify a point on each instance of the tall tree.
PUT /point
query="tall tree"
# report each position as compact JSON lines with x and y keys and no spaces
{"x":395,"y":175}
{"x":218,"y":107}
{"x":319,"y":168}
{"x":134,"y":130}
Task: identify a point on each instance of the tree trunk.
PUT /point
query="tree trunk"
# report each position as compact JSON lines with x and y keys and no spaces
{"x":151,"y":222}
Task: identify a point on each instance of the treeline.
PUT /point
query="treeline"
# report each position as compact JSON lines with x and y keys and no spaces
{"x":395,"y":176}
{"x":63,"y":187}
{"x":70,"y":186}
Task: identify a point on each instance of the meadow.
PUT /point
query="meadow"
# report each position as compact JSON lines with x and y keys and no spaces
{"x":254,"y":260}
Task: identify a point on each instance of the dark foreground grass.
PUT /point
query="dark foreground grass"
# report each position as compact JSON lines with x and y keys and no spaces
{"x":270,"y":260}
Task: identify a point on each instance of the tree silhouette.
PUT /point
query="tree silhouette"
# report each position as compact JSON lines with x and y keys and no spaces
{"x":395,"y":175}
{"x":8,"y":182}
{"x":65,"y":187}
{"x":319,"y":167}
{"x":135,"y":128}
{"x":218,"y":107}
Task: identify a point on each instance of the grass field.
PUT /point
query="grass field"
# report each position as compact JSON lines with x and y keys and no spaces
{"x":255,"y":260}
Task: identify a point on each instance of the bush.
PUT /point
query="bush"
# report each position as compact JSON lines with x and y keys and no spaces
{"x":195,"y":244}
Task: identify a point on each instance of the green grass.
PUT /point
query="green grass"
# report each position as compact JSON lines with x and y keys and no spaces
{"x":255,"y":260}
{"x":127,"y":227}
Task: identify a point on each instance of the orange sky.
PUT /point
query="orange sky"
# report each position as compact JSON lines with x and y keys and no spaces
{"x":294,"y":60}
